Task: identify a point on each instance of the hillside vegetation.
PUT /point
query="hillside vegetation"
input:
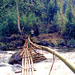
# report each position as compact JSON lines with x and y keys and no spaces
{"x":43,"y":16}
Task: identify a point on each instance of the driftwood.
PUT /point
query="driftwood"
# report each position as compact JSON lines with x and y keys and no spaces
{"x":72,"y":67}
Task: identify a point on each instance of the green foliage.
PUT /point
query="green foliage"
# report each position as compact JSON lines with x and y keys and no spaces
{"x":2,"y":44}
{"x":70,"y":30}
{"x":28,"y":21}
{"x":45,"y":15}
{"x":70,"y":25}
{"x":71,"y":42}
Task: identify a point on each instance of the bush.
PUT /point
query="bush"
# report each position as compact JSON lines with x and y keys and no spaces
{"x":71,"y":42}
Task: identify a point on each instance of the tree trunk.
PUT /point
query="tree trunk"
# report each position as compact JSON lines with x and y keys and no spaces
{"x":18,"y":18}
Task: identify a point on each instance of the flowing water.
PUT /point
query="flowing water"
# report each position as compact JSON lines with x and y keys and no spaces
{"x":41,"y":68}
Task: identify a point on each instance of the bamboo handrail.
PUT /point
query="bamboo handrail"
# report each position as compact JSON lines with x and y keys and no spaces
{"x":72,"y":67}
{"x":27,"y":62}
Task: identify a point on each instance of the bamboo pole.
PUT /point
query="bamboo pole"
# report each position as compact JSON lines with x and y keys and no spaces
{"x":22,"y":65}
{"x":27,"y":62}
{"x":31,"y":65}
{"x":27,"y":56}
{"x":72,"y":67}
{"x":60,"y":57}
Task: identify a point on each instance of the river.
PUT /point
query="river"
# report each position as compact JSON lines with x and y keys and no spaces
{"x":43,"y":67}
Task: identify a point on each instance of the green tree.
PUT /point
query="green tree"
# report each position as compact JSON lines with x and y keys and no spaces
{"x":69,"y":31}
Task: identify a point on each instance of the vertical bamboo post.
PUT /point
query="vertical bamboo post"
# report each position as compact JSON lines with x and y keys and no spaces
{"x":27,"y":62}
{"x":27,"y":56}
{"x":22,"y":65}
{"x":31,"y":65}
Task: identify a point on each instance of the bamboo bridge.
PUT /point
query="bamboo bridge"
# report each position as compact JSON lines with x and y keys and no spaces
{"x":29,"y":50}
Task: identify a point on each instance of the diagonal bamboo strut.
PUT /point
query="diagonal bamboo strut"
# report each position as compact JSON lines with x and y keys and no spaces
{"x":72,"y":67}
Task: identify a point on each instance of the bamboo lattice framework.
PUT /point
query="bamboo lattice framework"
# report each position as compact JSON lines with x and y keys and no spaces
{"x":27,"y":60}
{"x":44,"y":48}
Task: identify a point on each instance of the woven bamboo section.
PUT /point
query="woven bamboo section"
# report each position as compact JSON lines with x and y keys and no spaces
{"x":27,"y":61}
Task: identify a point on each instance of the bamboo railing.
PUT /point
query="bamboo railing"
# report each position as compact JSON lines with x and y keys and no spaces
{"x":27,"y":60}
{"x":72,"y":67}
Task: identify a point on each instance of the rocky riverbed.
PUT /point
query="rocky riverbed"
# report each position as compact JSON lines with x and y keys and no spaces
{"x":41,"y":68}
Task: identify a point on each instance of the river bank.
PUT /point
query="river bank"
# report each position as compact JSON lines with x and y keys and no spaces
{"x":41,"y":68}
{"x":53,"y":40}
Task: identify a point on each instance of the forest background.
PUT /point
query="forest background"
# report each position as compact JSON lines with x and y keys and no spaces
{"x":43,"y":16}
